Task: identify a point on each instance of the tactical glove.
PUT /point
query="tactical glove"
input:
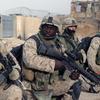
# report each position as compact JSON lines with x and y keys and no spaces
{"x":59,"y":65}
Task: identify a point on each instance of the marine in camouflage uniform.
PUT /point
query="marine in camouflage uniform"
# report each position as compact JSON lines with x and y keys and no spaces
{"x":40,"y":71}
{"x":93,"y":54}
{"x":70,"y":41}
{"x":68,"y":38}
{"x":13,"y":92}
{"x":91,"y":47}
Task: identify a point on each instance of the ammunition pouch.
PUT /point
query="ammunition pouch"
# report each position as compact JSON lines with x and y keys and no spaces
{"x":28,"y":74}
{"x":41,"y":80}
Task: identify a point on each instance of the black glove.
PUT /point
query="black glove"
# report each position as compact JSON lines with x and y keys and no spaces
{"x":74,"y":75}
{"x":59,"y":65}
{"x":2,"y":79}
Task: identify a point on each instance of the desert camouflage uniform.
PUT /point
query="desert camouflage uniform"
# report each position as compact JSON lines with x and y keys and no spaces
{"x":93,"y":54}
{"x":68,"y":38}
{"x":93,"y":58}
{"x":13,"y":92}
{"x":44,"y":67}
{"x":70,"y":41}
{"x":39,"y":69}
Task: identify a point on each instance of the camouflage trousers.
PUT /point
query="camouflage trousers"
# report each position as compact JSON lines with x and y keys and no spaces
{"x":32,"y":94}
{"x":11,"y":93}
{"x":53,"y":92}
{"x":57,"y":87}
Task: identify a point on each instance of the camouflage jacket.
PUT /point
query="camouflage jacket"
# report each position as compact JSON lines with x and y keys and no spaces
{"x":93,"y":54}
{"x":43,"y":68}
{"x":34,"y":61}
{"x":70,"y":43}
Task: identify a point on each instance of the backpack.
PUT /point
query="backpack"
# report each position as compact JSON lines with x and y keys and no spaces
{"x":17,"y":53}
{"x":85,"y":43}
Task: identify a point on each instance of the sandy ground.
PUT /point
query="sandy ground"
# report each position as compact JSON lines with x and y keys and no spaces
{"x":89,"y":96}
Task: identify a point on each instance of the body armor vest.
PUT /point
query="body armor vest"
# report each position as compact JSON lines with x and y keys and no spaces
{"x":42,"y":79}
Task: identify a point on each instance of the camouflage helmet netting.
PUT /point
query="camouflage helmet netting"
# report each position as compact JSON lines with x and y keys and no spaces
{"x":51,"y":20}
{"x":70,"y":22}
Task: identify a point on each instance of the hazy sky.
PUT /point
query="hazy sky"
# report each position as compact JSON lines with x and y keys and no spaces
{"x":58,"y":6}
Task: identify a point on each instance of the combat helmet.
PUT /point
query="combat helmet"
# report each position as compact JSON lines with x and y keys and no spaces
{"x":51,"y":20}
{"x":70,"y":21}
{"x":48,"y":22}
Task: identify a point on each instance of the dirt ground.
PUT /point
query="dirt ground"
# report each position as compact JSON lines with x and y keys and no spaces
{"x":86,"y":28}
{"x":89,"y":96}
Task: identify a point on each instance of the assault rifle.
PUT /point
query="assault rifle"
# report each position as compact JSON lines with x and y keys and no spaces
{"x":87,"y":73}
{"x":69,"y":62}
{"x":8,"y":63}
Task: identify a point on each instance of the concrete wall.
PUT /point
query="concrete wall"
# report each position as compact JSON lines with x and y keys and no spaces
{"x":19,"y":21}
{"x":31,"y":25}
{"x":27,"y":26}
